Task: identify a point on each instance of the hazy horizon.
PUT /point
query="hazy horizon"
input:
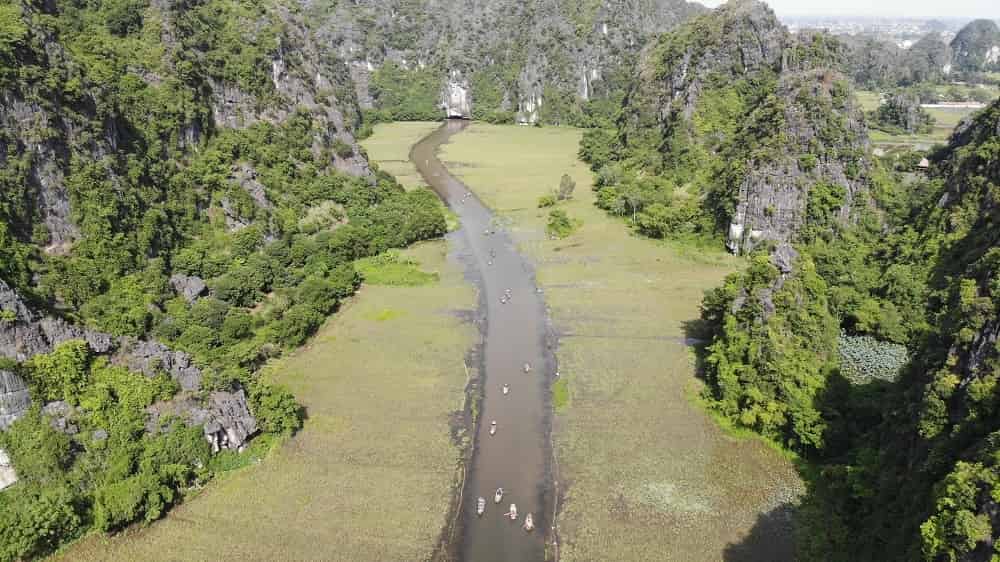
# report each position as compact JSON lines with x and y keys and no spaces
{"x":899,"y":8}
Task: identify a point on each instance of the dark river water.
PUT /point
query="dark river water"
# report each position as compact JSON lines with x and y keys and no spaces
{"x":516,"y":458}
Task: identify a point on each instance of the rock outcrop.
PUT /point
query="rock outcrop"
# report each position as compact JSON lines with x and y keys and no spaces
{"x":191,"y":287}
{"x":791,"y":125}
{"x":225,"y":416}
{"x":976,"y":47}
{"x":774,"y":193}
{"x":14,"y":398}
{"x":8,"y":476}
{"x":457,"y":99}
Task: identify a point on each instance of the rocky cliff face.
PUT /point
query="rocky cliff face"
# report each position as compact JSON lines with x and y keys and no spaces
{"x":976,"y":47}
{"x":44,"y":130}
{"x":735,"y":88}
{"x":225,"y":416}
{"x":825,"y":143}
{"x":506,"y":55}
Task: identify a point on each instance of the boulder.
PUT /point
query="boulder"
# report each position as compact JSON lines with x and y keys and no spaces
{"x":60,"y":417}
{"x":188,"y":286}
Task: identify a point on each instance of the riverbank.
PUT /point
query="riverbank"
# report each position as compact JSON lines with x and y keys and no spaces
{"x":372,"y":474}
{"x":646,"y":474}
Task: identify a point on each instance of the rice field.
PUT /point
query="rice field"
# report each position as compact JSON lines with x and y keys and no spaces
{"x":645,"y":473}
{"x":390,"y":151}
{"x":371,"y":476}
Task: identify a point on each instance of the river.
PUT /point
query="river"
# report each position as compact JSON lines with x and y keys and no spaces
{"x":517,"y":457}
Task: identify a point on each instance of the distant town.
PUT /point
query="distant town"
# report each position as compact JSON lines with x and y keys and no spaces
{"x":904,"y":32}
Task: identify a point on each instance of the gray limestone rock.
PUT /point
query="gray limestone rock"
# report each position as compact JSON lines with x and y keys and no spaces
{"x":457,"y":100}
{"x":190,"y":287}
{"x":60,"y":417}
{"x":224,"y":416}
{"x":150,"y":357}
{"x":8,"y":476}
{"x":14,"y":398}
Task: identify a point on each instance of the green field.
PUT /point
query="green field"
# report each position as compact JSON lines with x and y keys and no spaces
{"x":391,"y":152}
{"x":372,"y":474}
{"x":646,"y":474}
{"x":945,"y":121}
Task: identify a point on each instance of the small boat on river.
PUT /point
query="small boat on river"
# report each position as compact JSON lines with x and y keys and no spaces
{"x":506,"y":389}
{"x":513,"y":512}
{"x":529,"y":523}
{"x":481,"y":506}
{"x":527,"y":368}
{"x":493,"y":427}
{"x":498,"y":496}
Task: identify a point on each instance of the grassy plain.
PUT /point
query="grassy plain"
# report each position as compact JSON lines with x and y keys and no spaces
{"x":389,"y":147}
{"x":945,"y":121}
{"x":647,"y":475}
{"x":371,"y":475}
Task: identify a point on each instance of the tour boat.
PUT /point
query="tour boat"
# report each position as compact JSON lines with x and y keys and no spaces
{"x":529,"y":523}
{"x":506,"y":389}
{"x":498,"y":496}
{"x":481,"y":506}
{"x":513,"y":512}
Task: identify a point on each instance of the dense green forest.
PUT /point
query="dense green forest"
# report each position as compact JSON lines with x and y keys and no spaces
{"x":173,"y":172}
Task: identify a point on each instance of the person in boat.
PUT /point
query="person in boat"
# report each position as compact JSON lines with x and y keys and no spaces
{"x":506,"y":389}
{"x":529,"y":523}
{"x":498,"y":495}
{"x":513,"y":512}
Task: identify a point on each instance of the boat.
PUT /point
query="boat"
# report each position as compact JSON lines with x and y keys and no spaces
{"x":480,"y":506}
{"x":513,"y":512}
{"x":529,"y":523}
{"x":493,"y":427}
{"x":506,"y":389}
{"x":498,"y":496}
{"x":527,"y":368}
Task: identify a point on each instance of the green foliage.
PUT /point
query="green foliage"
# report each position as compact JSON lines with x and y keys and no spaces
{"x":772,"y":354}
{"x":276,"y":409}
{"x":62,"y":374}
{"x":864,"y":358}
{"x":959,"y":525}
{"x":406,"y":95}
{"x":546,"y":201}
{"x":391,"y":268}
{"x":560,"y":225}
{"x":12,"y":28}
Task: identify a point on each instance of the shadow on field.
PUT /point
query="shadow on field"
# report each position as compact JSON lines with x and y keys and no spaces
{"x":770,"y":539}
{"x":698,"y":335}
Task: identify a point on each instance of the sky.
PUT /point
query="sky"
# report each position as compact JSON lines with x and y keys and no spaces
{"x":911,"y":8}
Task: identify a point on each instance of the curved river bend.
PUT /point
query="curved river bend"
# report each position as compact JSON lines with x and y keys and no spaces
{"x":516,"y":458}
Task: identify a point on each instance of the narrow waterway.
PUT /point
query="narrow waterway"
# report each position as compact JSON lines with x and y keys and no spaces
{"x":516,"y":458}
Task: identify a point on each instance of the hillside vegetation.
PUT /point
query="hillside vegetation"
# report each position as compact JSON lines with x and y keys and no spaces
{"x":175,"y":177}
{"x":861,"y":332}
